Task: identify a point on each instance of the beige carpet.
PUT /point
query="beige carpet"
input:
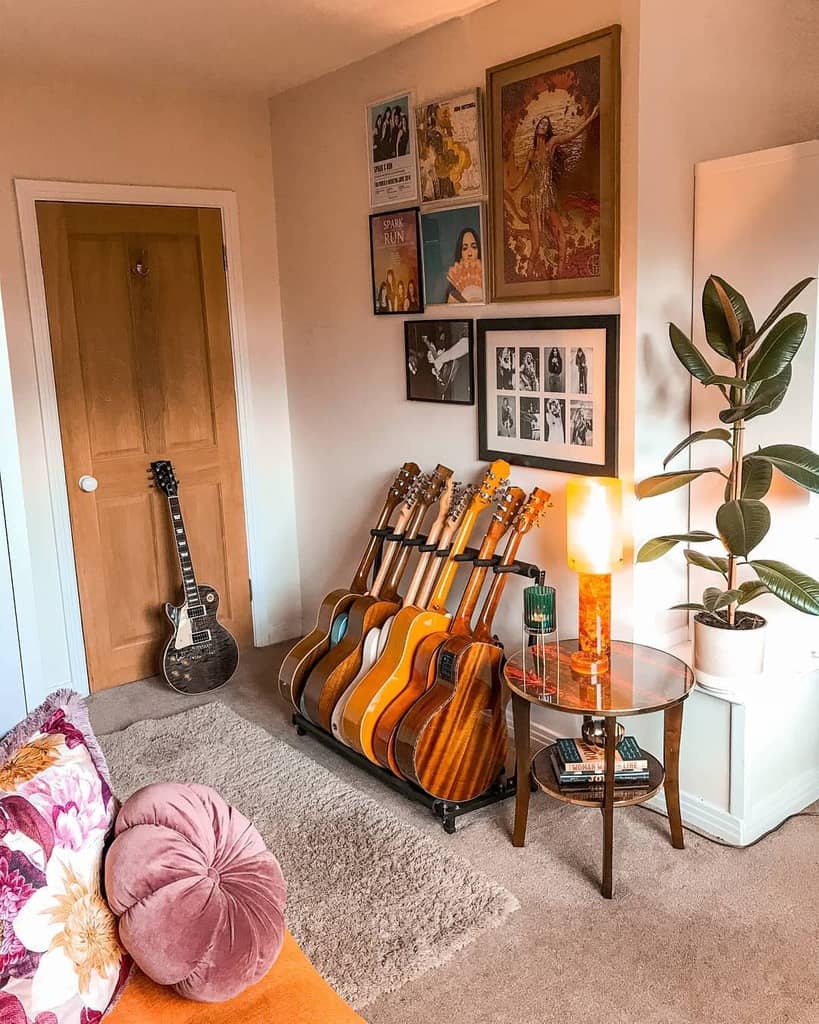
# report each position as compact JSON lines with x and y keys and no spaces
{"x":704,"y":935}
{"x":372,"y":900}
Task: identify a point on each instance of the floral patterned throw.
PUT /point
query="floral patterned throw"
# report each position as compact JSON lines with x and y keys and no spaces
{"x":60,"y":959}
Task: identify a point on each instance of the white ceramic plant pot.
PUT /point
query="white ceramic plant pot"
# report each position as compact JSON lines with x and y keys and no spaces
{"x":729,"y":660}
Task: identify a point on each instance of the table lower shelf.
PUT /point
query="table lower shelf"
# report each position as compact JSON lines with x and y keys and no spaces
{"x":544,"y":776}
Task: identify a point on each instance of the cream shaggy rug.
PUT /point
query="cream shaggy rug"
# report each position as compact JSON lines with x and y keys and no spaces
{"x":372,"y":900}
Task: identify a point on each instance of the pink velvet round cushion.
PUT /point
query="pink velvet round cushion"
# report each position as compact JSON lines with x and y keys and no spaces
{"x":199,"y":898}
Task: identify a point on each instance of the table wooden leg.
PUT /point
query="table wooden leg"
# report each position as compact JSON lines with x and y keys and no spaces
{"x":607,"y":887}
{"x":520,"y":715}
{"x":672,"y":734}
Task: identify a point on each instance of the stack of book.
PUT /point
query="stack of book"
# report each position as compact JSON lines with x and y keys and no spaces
{"x":580,"y":768}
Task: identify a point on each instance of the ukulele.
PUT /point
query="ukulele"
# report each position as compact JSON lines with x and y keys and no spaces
{"x":201,"y":655}
{"x":330,"y":676}
{"x":331,"y":619}
{"x":423,"y":664}
{"x":451,"y":505}
{"x":391,"y":673}
{"x":452,"y":742}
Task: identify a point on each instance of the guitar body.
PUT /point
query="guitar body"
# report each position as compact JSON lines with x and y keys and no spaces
{"x":421,"y":678}
{"x":191,"y":662}
{"x":452,"y":742}
{"x":303,"y":656}
{"x":388,"y":676}
{"x":333,"y":673}
{"x":370,"y":652}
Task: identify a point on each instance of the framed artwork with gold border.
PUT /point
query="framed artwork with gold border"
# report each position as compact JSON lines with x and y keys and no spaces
{"x":553,"y":124}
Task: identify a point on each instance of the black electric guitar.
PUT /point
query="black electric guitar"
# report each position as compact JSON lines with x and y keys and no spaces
{"x":201,"y":654}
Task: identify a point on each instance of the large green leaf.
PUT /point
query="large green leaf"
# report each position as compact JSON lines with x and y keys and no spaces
{"x":751,"y":590}
{"x":797,"y":463}
{"x":756,"y":478}
{"x":782,"y":305}
{"x":689,"y":355}
{"x":725,"y":598}
{"x":763,"y":397}
{"x":743,"y":524}
{"x":718,"y":332}
{"x":710,"y":596}
{"x":737,"y":314}
{"x":778,"y":348}
{"x":664,"y":482}
{"x":714,"y":563}
{"x":717,"y":434}
{"x":789,"y":585}
{"x":658,"y":546}
{"x":689,"y":606}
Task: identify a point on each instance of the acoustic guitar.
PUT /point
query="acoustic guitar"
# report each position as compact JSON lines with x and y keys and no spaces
{"x":452,"y":742}
{"x":331,"y":675}
{"x":451,"y":507}
{"x":423,"y":664}
{"x":331,"y":618}
{"x":391,"y":673}
{"x":201,"y":655}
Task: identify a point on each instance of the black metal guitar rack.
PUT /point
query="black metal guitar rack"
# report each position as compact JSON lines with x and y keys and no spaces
{"x":446,"y":811}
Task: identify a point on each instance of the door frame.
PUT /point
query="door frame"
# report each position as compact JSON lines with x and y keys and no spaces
{"x":31,"y":191}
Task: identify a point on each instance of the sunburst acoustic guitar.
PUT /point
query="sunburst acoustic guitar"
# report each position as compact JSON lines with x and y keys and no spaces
{"x":423,"y":663}
{"x":452,"y":742}
{"x":391,"y":672}
{"x":330,"y":620}
{"x":335,"y":671}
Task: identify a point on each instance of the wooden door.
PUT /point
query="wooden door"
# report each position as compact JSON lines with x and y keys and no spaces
{"x":140,"y":336}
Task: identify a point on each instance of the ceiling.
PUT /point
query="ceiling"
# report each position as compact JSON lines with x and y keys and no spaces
{"x":258,"y":47}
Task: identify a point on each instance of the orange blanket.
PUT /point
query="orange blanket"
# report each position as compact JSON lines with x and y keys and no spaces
{"x":292,"y":991}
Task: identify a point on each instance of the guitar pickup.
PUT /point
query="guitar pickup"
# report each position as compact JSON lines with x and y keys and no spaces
{"x":196,"y":611}
{"x":201,"y":636}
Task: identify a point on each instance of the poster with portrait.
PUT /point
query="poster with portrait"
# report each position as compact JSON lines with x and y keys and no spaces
{"x":450,"y":153}
{"x":391,"y":159}
{"x":395,"y":261}
{"x":439,"y":361}
{"x":554,"y":152}
{"x":547,"y":392}
{"x":453,"y":256}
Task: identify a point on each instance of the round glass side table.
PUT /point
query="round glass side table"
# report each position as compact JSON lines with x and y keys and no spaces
{"x":640,"y":680}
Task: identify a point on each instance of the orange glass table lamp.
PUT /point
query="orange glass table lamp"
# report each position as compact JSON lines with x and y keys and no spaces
{"x":595,"y":548}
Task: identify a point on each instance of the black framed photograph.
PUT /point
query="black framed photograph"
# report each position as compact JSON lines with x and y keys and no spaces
{"x":547,"y":392}
{"x":395,"y":262}
{"x":439,"y":361}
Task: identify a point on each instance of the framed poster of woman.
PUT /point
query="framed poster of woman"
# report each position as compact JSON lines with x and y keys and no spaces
{"x":547,"y":392}
{"x":452,"y":242}
{"x":553,"y":122}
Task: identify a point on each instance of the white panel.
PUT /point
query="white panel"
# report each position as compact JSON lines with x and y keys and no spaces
{"x":12,"y":696}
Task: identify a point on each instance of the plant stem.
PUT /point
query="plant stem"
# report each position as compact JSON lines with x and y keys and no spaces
{"x":735,"y":481}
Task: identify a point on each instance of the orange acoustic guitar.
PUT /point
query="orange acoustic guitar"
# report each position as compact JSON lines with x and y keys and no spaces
{"x":423,"y":664}
{"x":391,"y":673}
{"x":331,"y":675}
{"x":451,"y":505}
{"x":303,"y":655}
{"x":452,"y":742}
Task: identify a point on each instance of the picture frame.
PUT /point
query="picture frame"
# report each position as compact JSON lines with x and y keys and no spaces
{"x":395,"y":262}
{"x":392,"y":164}
{"x":547,"y":392}
{"x":553,"y":127}
{"x":452,"y":240}
{"x":454,"y":382}
{"x":450,"y":146}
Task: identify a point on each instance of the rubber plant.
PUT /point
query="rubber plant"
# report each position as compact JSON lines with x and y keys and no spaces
{"x":762,"y":370}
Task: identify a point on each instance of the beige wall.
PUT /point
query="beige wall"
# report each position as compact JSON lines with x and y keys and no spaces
{"x":137,"y":134}
{"x":351,"y":424}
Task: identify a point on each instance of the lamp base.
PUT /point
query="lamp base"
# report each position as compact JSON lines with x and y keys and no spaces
{"x":594,"y":624}
{"x":590,"y":663}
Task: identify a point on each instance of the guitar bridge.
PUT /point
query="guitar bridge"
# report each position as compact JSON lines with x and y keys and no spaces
{"x":201,"y":636}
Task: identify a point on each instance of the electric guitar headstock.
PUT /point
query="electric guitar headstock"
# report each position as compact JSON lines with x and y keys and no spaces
{"x":531,"y":514}
{"x":495,"y":478}
{"x":460,"y":499}
{"x":165,"y":478}
{"x":509,"y":502}
{"x":434,"y":485}
{"x":404,"y":479}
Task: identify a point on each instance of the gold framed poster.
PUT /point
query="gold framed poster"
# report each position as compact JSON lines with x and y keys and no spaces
{"x":553,"y":121}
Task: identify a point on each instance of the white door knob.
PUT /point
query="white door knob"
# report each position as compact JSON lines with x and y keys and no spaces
{"x":88,"y":483}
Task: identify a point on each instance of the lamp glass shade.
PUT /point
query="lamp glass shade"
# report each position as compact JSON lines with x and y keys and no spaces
{"x":594,"y":535}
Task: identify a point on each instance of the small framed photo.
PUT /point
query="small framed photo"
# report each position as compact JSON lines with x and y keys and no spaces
{"x":391,"y":159}
{"x":450,"y":150}
{"x":453,"y":256}
{"x":439,"y":359}
{"x":547,"y":392}
{"x":395,"y":261}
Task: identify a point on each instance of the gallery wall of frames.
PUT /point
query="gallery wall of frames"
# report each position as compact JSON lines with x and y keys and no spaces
{"x":502,"y":194}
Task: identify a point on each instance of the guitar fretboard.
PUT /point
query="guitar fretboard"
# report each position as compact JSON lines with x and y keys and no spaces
{"x":185,"y":562}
